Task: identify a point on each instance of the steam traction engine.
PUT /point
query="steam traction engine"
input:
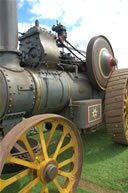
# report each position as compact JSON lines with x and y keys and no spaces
{"x":41,"y":78}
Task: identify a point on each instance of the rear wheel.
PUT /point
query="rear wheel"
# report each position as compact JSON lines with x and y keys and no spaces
{"x":116,"y":106}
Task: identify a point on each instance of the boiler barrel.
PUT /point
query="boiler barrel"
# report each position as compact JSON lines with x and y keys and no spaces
{"x":32,"y":93}
{"x":54,"y":90}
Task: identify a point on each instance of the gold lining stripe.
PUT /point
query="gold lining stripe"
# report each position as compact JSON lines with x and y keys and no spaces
{"x":39,"y":92}
{"x":100,"y":84}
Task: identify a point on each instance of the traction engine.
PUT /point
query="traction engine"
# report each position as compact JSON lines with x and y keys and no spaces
{"x":49,"y":93}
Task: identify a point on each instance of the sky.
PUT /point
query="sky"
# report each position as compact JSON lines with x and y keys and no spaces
{"x":83,"y":19}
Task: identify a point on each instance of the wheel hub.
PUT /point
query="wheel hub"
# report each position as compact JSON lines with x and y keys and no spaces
{"x":50,"y":172}
{"x":106,"y":62}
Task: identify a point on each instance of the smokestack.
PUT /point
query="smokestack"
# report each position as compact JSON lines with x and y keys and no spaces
{"x":8,"y":25}
{"x":9,"y":58}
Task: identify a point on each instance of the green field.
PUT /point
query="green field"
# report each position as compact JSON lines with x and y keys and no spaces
{"x":105,"y":165}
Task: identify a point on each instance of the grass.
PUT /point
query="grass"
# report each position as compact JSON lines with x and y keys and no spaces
{"x":105,"y":164}
{"x":83,"y":190}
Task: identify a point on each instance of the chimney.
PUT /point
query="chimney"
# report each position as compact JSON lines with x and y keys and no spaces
{"x":9,"y":35}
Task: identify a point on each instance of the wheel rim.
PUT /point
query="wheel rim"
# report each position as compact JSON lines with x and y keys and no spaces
{"x":60,"y":161}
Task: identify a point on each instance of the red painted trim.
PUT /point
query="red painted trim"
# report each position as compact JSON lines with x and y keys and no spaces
{"x":100,"y":114}
{"x":110,"y":62}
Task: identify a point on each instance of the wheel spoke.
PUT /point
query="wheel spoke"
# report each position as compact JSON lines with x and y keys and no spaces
{"x":125,"y":113}
{"x":125,"y":106}
{"x":28,"y":147}
{"x":69,"y":145}
{"x":30,"y":191}
{"x":51,"y":134}
{"x":42,"y":139}
{"x":28,"y":188}
{"x":33,"y":177}
{"x":60,"y":165}
{"x":44,"y":189}
{"x":21,"y":162}
{"x":66,"y":147}
{"x":57,"y":185}
{"x":65,"y":174}
{"x":125,"y":100}
{"x":59,"y":144}
{"x":5,"y":183}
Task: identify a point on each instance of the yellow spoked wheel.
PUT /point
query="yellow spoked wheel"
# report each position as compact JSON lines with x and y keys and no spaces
{"x":57,"y":168}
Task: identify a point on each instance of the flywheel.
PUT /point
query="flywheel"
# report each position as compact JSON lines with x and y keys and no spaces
{"x":58,"y":166}
{"x":100,"y":61}
{"x":116,"y":106}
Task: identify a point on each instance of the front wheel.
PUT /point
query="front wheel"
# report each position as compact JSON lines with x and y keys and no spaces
{"x":57,"y":168}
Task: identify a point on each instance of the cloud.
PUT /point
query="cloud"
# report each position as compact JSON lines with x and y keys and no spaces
{"x":46,"y":9}
{"x":20,"y":3}
{"x":23,"y":27}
